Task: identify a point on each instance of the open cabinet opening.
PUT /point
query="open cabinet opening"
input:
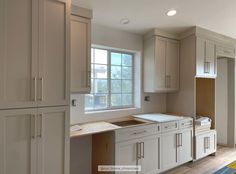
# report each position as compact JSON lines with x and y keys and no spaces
{"x":205,"y":99}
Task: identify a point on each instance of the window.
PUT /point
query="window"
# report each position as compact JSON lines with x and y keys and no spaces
{"x":111,"y":80}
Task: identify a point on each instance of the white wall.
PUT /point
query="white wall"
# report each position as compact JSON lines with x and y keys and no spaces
{"x":222,"y":101}
{"x":109,"y":37}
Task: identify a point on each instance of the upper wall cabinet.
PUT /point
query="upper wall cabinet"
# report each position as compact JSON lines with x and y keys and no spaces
{"x":80,"y":52}
{"x":34,"y":53}
{"x":161,"y":65}
{"x":205,"y":58}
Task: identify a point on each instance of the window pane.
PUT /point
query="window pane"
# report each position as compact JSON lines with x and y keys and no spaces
{"x":100,"y":86}
{"x":127,"y":100}
{"x":127,"y":86}
{"x":126,"y":59}
{"x":126,"y":72}
{"x":100,"y":56}
{"x":92,"y":86}
{"x":115,"y":72}
{"x":115,"y":58}
{"x":115,"y":86}
{"x":116,"y":100}
{"x":100,"y":71}
{"x":92,"y":55}
{"x":100,"y":101}
{"x":89,"y":102}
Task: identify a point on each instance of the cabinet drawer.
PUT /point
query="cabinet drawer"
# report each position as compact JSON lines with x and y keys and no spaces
{"x":169,"y":126}
{"x":137,"y":132}
{"x":225,"y":51}
{"x":187,"y":123}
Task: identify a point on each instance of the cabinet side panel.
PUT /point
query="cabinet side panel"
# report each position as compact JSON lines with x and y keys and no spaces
{"x":182,"y":102}
{"x":149,"y":54}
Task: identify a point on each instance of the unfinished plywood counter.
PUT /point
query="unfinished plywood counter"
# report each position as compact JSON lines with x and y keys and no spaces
{"x":93,"y":128}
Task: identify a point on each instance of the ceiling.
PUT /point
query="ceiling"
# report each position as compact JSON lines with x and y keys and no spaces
{"x":216,"y":15}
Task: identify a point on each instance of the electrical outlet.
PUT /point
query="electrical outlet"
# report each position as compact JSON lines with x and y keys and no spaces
{"x":74,"y":102}
{"x":147,"y":98}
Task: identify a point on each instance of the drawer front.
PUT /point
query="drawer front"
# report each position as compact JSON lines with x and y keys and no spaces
{"x":169,"y":126}
{"x":187,"y":123}
{"x":137,"y":132}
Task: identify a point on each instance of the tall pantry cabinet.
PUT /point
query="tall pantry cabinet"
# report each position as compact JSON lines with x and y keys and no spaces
{"x":34,"y":88}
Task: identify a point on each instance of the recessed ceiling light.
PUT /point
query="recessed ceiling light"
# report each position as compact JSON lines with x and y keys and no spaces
{"x":171,"y":13}
{"x":124,"y":21}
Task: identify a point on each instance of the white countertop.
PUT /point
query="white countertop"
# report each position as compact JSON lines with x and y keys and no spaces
{"x":159,"y":117}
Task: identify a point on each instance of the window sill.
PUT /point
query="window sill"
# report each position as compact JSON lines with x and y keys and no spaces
{"x":133,"y":109}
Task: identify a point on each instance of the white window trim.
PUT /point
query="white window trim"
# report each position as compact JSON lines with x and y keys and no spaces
{"x":114,"y":108}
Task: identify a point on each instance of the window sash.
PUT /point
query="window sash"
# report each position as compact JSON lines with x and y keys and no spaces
{"x":109,"y":92}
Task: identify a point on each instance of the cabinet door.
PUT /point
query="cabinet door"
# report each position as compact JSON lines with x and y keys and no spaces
{"x":172,"y":65}
{"x":18,"y":53}
{"x":151,"y":149}
{"x":53,"y":140}
{"x":185,"y":146}
{"x":210,"y":58}
{"x":200,"y":146}
{"x":127,"y":154}
{"x":54,"y":48}
{"x":80,"y":54}
{"x":17,"y":141}
{"x":200,"y":57}
{"x":160,"y":61}
{"x":211,"y":142}
{"x":169,"y":150}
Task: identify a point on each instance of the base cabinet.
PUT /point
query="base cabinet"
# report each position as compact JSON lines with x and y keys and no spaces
{"x":139,"y":152}
{"x":205,"y":144}
{"x":34,"y":141}
{"x":177,"y":148}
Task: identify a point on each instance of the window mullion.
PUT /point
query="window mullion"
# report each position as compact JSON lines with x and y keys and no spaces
{"x":109,"y":78}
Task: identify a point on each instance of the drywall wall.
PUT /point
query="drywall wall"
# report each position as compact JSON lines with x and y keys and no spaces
{"x":109,"y":37}
{"x":222,"y":101}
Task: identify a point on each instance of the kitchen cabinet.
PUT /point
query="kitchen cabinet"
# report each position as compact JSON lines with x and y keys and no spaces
{"x":205,"y":143}
{"x":205,"y":58}
{"x":34,"y":53}
{"x":186,"y":146}
{"x":169,"y":150}
{"x":161,"y":65}
{"x":139,"y":152}
{"x":34,"y":141}
{"x":54,"y":37}
{"x":177,"y":146}
{"x":80,"y":54}
{"x":17,"y":141}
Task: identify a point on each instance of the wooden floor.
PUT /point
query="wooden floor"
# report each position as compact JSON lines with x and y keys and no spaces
{"x":209,"y":164}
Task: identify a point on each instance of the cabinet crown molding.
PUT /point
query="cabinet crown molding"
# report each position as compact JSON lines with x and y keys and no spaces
{"x":161,"y":33}
{"x":211,"y":35}
{"x":82,"y":12}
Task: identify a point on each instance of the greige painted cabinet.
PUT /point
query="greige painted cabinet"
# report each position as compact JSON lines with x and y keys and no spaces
{"x":80,"y":54}
{"x":161,"y":65}
{"x":34,"y":141}
{"x":205,"y":58}
{"x":34,"y":53}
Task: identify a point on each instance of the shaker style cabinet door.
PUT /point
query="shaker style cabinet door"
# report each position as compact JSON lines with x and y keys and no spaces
{"x":53,"y":140}
{"x":80,"y":54}
{"x":205,"y":58}
{"x":169,"y":150}
{"x":172,"y":65}
{"x":127,"y":154}
{"x":151,"y":155}
{"x":18,"y":53}
{"x":18,"y":141}
{"x":54,"y":33}
{"x":160,"y":63}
